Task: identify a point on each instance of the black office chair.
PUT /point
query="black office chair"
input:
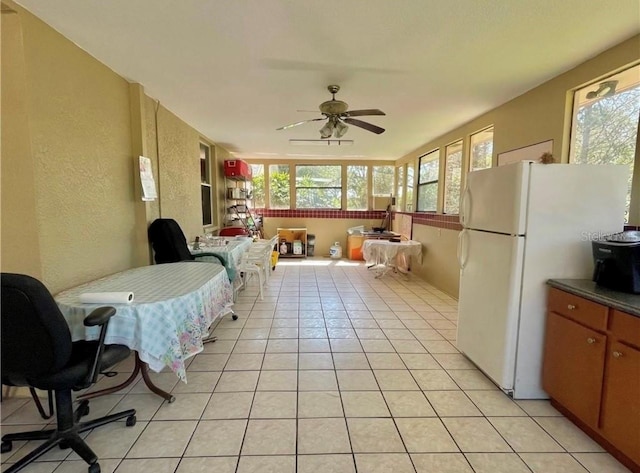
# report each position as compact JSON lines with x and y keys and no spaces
{"x":37,"y":352}
{"x":170,"y":246}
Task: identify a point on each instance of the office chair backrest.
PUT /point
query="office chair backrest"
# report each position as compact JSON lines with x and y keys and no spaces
{"x":169,"y":242}
{"x":35,"y":336}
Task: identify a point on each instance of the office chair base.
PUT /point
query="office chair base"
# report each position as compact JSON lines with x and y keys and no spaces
{"x":68,"y":438}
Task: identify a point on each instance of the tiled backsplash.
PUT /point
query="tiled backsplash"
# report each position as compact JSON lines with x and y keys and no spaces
{"x":346,"y":214}
{"x":451,"y":222}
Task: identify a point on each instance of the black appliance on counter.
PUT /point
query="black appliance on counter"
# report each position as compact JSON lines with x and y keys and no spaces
{"x":617,"y":261}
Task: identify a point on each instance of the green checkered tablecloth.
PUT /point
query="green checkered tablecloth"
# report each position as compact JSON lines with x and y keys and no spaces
{"x":173,"y":308}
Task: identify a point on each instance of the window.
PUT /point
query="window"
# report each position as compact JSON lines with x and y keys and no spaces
{"x":408,"y":201}
{"x":400,"y":186}
{"x":605,"y":122}
{"x":429,"y":166}
{"x":318,"y":187}
{"x":257,"y":184}
{"x":205,"y":184}
{"x":279,"y":190}
{"x":481,"y":149}
{"x":357,"y":187}
{"x":452,"y":177}
{"x":383,"y":180}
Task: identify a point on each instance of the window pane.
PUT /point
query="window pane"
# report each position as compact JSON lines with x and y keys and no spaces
{"x":257,"y":183}
{"x":357,"y":187}
{"x":605,"y":122}
{"x":409,"y":198}
{"x":452,"y":177}
{"x":318,"y":187}
{"x":205,"y":194}
{"x":429,"y":165}
{"x":205,"y":175}
{"x":383,"y":180}
{"x":428,"y":197}
{"x":318,"y":198}
{"x":481,"y":149}
{"x":400,"y":186}
{"x":279,"y":194}
{"x":318,"y":176}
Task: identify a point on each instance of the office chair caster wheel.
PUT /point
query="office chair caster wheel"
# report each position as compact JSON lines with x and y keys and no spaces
{"x":6,"y":446}
{"x":131,"y":421}
{"x":234,"y":317}
{"x":83,"y":409}
{"x":94,"y":468}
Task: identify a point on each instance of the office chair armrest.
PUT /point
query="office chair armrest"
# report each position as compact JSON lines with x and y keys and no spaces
{"x":99,"y":316}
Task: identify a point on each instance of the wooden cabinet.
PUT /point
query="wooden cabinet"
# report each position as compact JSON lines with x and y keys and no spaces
{"x":573,"y":367}
{"x":294,"y":241}
{"x":621,"y":400}
{"x":591,"y":370}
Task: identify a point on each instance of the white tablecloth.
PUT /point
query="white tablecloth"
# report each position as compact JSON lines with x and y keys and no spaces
{"x":173,"y":308}
{"x":231,"y":252}
{"x":386,"y":252}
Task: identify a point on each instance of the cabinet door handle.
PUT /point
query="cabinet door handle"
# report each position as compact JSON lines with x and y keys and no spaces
{"x":617,"y":354}
{"x":591,"y":340}
{"x":571,"y":306}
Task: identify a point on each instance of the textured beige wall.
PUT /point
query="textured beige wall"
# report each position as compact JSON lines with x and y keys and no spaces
{"x":179,"y":173}
{"x":327,"y":231}
{"x":20,"y":242}
{"x":79,"y":127}
{"x":439,"y":262}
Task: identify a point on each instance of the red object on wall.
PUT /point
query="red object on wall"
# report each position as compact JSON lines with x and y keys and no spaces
{"x":237,"y":168}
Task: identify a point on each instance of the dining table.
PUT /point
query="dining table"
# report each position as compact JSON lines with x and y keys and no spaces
{"x":229,"y":249}
{"x":172,"y":309}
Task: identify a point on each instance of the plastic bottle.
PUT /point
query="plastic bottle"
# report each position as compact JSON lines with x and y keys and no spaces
{"x":335,"y":251}
{"x":283,"y":248}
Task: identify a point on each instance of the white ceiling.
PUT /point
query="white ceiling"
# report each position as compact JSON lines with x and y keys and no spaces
{"x":237,"y":69}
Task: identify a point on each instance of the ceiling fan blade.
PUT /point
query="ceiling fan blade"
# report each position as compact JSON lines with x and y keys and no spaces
{"x":367,"y":126}
{"x":362,"y":113}
{"x":300,"y":123}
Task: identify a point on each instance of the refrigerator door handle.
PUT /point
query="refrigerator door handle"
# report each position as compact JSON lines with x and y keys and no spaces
{"x":462,"y":258}
{"x":465,"y":206}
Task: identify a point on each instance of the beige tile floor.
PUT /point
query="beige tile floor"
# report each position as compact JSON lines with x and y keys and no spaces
{"x":333,"y":372}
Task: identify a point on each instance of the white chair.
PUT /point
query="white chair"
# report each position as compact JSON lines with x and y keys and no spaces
{"x":247,"y":268}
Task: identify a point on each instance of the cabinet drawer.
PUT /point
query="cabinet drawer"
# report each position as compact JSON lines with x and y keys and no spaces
{"x":625,"y":327}
{"x":577,"y":308}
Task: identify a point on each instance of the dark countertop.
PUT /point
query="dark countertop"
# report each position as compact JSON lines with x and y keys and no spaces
{"x":629,"y":303}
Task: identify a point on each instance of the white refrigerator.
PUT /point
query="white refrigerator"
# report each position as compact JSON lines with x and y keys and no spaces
{"x":523,"y":224}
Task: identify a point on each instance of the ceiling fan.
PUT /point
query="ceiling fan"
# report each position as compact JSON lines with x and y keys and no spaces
{"x":337,"y":114}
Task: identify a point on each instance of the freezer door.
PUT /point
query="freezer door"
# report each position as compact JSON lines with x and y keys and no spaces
{"x":489,"y":302}
{"x":495,"y":199}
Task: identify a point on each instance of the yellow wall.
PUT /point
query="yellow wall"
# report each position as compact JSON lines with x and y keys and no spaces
{"x":72,"y":131}
{"x":20,"y":243}
{"x":326,"y":230}
{"x":539,"y":115}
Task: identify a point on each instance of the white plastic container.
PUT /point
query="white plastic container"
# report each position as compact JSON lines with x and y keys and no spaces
{"x":335,"y":251}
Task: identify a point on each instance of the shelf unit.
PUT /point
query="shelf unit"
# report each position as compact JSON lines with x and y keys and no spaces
{"x":290,"y":238}
{"x":238,"y":202}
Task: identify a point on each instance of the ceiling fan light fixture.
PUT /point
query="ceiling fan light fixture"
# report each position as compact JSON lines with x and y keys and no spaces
{"x":340,"y":129}
{"x":327,"y":130}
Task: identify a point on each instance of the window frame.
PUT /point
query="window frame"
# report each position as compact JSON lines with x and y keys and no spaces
{"x":206,"y":184}
{"x":471,"y":145}
{"x":298,"y":187}
{"x":433,"y":156}
{"x":445,"y":186}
